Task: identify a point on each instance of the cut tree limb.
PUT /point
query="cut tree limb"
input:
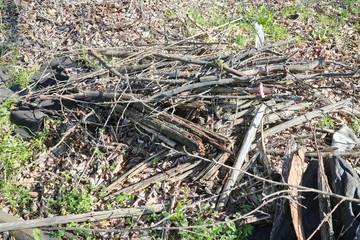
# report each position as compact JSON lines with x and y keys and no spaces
{"x":23,"y":234}
{"x":92,"y":216}
{"x":103,"y":62}
{"x":135,"y":170}
{"x":249,"y":138}
{"x":166,"y":94}
{"x":167,"y":175}
{"x":306,"y":117}
{"x":173,"y":132}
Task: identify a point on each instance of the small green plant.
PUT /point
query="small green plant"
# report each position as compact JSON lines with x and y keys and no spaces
{"x":228,"y":231}
{"x":153,"y":216}
{"x":122,"y":198}
{"x":157,"y":185}
{"x":179,"y":215}
{"x":86,"y":234}
{"x":84,"y":59}
{"x":58,"y":234}
{"x":355,"y":124}
{"x":75,"y":201}
{"x":37,"y":234}
{"x":326,"y":122}
{"x":17,"y":196}
{"x":155,"y":161}
{"x":21,"y":77}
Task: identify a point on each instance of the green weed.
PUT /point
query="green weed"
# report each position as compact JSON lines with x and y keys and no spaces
{"x":326,"y":122}
{"x":75,"y":201}
{"x":21,"y":77}
{"x":355,"y":124}
{"x":37,"y":234}
{"x":155,"y":161}
{"x":84,"y":59}
{"x":123,"y":198}
{"x":14,"y":151}
{"x":17,"y":196}
{"x":264,"y":16}
{"x":86,"y":234}
{"x":228,"y":231}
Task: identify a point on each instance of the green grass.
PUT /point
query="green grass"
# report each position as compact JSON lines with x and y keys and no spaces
{"x":14,"y":154}
{"x":323,"y":26}
{"x":242,"y":32}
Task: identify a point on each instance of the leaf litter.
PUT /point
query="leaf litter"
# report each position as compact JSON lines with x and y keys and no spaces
{"x":152,"y":115}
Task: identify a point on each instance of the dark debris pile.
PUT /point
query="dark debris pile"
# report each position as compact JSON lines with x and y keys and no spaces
{"x":164,"y":122}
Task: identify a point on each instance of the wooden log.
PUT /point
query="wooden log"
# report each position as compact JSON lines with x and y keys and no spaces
{"x":249,"y":137}
{"x":173,"y":132}
{"x":21,"y":234}
{"x":135,"y":170}
{"x":92,"y":216}
{"x":306,"y":117}
{"x":167,"y":175}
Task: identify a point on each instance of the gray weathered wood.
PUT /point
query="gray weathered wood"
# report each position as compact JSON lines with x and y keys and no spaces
{"x":306,"y":117}
{"x":249,"y":138}
{"x":92,"y":216}
{"x":23,"y":234}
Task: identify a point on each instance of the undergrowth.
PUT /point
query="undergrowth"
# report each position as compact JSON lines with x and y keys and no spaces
{"x":15,"y":153}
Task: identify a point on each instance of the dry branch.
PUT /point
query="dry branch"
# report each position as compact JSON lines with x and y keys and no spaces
{"x":166,"y":94}
{"x":249,"y":137}
{"x":135,"y":170}
{"x":167,"y":175}
{"x":278,"y":68}
{"x":92,"y":216}
{"x":23,"y":234}
{"x":103,"y":62}
{"x":306,"y":117}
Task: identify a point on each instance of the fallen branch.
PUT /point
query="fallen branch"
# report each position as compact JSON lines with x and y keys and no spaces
{"x":103,"y":62}
{"x":135,"y":170}
{"x":166,"y":94}
{"x":306,"y":117}
{"x":167,"y":175}
{"x":92,"y":216}
{"x":21,"y":234}
{"x":249,"y":137}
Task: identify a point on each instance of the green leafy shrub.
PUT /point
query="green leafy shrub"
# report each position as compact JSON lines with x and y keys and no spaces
{"x":75,"y":201}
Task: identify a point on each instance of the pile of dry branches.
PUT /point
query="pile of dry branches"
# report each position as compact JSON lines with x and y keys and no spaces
{"x":216,"y":123}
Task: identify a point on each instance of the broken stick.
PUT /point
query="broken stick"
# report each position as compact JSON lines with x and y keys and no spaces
{"x":249,"y":138}
{"x":92,"y":216}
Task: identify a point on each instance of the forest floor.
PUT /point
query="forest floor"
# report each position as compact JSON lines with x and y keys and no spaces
{"x":155,"y":158}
